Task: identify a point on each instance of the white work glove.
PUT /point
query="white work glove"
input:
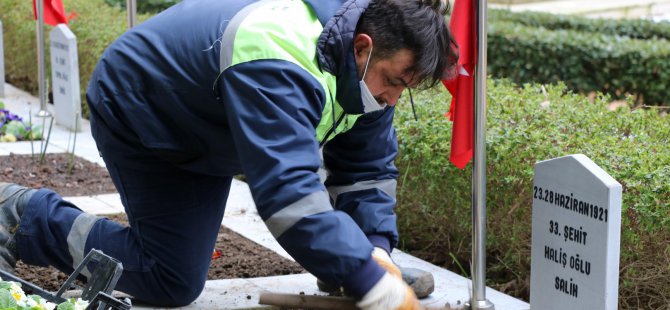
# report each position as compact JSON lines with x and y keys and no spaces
{"x":383,"y":259}
{"x":390,"y":293}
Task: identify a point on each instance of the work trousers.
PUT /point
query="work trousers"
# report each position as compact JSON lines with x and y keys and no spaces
{"x":174,"y":218}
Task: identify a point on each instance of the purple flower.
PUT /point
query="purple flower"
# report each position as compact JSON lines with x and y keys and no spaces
{"x":6,"y":117}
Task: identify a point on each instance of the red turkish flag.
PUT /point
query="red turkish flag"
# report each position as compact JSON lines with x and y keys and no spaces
{"x":462,"y":87}
{"x":53,"y":10}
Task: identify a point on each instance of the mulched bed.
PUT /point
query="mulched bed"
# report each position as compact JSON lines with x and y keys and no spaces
{"x":75,"y":176}
{"x":67,"y":175}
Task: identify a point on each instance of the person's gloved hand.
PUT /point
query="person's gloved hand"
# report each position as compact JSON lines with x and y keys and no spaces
{"x":390,"y":293}
{"x":383,"y":259}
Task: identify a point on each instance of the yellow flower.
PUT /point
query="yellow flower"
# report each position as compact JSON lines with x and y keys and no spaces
{"x":16,"y":291}
{"x":8,"y":138}
{"x":36,"y":302}
{"x":16,"y":295}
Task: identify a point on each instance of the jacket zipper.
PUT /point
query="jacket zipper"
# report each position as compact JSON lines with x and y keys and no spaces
{"x":332,"y":129}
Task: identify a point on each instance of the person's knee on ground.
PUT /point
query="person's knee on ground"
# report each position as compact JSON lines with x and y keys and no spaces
{"x":175,"y":294}
{"x":164,"y":285}
{"x":13,"y":199}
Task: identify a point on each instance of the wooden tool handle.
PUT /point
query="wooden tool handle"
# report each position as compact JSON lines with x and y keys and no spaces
{"x":307,"y":301}
{"x":318,"y":302}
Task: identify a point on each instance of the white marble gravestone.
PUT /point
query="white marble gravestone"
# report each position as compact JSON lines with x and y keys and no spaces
{"x":65,"y":77}
{"x":576,"y":233}
{"x":2,"y":64}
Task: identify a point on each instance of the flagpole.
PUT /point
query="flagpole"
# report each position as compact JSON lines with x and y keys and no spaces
{"x":2,"y":64}
{"x":41,"y":70}
{"x":478,"y":298}
{"x":131,"y":7}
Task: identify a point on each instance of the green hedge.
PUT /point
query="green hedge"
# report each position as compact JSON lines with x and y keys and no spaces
{"x":144,"y":6}
{"x":511,"y":2}
{"x":525,"y":125}
{"x":586,"y":62}
{"x":633,"y":28}
{"x":95,"y":24}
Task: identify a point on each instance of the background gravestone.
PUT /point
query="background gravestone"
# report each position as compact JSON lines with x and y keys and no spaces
{"x":2,"y":65}
{"x":65,"y":77}
{"x":576,"y":232}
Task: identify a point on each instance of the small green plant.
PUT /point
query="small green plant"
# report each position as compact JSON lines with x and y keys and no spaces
{"x":12,"y":297}
{"x":44,"y":145}
{"x":73,"y":138}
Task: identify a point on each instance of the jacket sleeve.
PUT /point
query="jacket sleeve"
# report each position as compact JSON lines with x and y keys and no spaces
{"x":273,"y":108}
{"x":362,"y":175}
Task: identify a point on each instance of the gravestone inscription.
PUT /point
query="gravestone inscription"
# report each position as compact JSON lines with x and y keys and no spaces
{"x":65,"y":77}
{"x":576,"y":229}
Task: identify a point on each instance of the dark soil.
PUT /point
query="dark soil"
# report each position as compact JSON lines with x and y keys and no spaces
{"x":239,"y":257}
{"x":67,"y":175}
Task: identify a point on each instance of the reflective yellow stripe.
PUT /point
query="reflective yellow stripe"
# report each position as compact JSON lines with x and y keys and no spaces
{"x":259,"y":31}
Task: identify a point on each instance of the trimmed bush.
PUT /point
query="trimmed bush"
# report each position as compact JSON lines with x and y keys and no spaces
{"x":95,"y":24}
{"x":525,"y":125}
{"x":510,"y":2}
{"x":586,"y":62}
{"x":632,"y":28}
{"x":145,"y":6}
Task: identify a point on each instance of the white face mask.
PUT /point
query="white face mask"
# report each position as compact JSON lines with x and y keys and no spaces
{"x":370,"y":104}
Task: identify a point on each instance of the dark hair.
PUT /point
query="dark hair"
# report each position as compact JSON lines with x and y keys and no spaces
{"x":417,"y":25}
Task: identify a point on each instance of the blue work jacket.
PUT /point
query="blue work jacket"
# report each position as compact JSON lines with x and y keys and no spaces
{"x":260,"y":88}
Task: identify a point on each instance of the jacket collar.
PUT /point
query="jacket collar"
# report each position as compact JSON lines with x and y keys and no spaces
{"x":335,"y":47}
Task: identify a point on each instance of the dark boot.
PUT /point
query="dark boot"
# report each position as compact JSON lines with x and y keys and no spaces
{"x":13,"y":199}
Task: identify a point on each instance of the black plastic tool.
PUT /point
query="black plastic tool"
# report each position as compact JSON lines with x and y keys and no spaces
{"x":104,"y":270}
